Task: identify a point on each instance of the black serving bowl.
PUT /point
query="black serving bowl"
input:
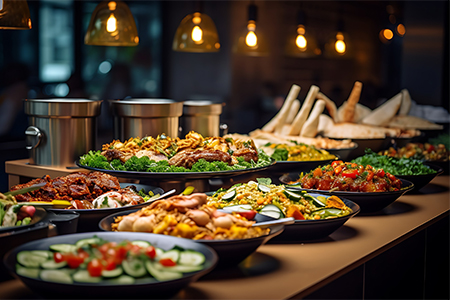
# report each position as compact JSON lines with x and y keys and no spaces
{"x":299,"y":166}
{"x":39,"y":227}
{"x":146,"y":287}
{"x":343,"y":153}
{"x":374,"y":144}
{"x":89,"y":218}
{"x":420,"y":181}
{"x":368,"y":202}
{"x":306,"y":230}
{"x":230,"y":252}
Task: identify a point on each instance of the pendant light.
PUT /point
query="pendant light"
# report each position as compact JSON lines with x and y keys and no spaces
{"x":302,"y":43}
{"x":14,"y":14}
{"x":196,"y":33}
{"x":112,"y":24}
{"x":251,"y":41}
{"x":339,"y":43}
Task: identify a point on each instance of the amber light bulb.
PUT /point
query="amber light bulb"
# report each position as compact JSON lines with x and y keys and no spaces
{"x":301,"y":41}
{"x":340,"y":45}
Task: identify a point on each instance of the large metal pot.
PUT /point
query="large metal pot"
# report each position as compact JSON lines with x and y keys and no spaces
{"x":60,"y":129}
{"x":201,"y":116}
{"x":145,"y":117}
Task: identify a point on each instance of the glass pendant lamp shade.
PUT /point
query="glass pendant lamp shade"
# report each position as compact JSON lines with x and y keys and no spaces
{"x":112,"y":24}
{"x":196,"y":33}
{"x":14,"y":14}
{"x":251,"y":41}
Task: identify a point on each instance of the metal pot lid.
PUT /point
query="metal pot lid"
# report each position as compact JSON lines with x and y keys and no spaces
{"x":146,"y":107}
{"x":62,"y":107}
{"x":201,"y":107}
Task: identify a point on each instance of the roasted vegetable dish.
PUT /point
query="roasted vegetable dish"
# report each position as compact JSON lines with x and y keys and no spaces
{"x":84,"y":191}
{"x":95,"y":260}
{"x":188,"y":217}
{"x":296,"y":152}
{"x":393,"y":165}
{"x":420,"y":151}
{"x":194,"y":153}
{"x":352,"y":177}
{"x":278,"y":201}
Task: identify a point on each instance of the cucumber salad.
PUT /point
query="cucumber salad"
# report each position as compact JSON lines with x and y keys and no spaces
{"x":278,"y":201}
{"x":95,"y":260}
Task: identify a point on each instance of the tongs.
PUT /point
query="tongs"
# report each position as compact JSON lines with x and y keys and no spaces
{"x":283,"y":221}
{"x":25,"y":190}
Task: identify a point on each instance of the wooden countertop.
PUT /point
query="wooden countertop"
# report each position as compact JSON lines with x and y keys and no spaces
{"x":280,"y":271}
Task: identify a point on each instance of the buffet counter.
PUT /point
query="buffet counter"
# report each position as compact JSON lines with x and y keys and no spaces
{"x":361,"y":251}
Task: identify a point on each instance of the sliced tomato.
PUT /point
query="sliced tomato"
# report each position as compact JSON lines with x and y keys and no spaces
{"x":350,"y":173}
{"x":83,"y":254}
{"x":109,"y":264}
{"x":58,"y":257}
{"x":95,"y":268}
{"x":249,"y":215}
{"x":150,"y":252}
{"x":167,"y":262}
{"x":73,"y":260}
{"x":380,"y":173}
{"x":336,"y":163}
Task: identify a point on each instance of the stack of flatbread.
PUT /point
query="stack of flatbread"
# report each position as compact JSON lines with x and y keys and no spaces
{"x":351,"y":120}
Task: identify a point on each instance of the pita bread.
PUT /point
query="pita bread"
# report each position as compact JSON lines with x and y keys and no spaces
{"x":282,"y":113}
{"x":325,"y":122}
{"x":348,"y":112}
{"x":406,"y":103}
{"x":329,"y":105}
{"x":384,"y":113}
{"x":412,"y":122}
{"x":302,"y":115}
{"x":354,"y":131}
{"x":309,"y":129}
{"x":361,"y":112}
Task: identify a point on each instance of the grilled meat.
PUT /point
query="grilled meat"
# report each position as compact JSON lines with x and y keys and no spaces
{"x":247,"y":153}
{"x":77,"y":185}
{"x":188,"y":158}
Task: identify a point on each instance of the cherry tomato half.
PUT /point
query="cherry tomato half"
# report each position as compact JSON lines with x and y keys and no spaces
{"x":95,"y":268}
{"x":73,"y":260}
{"x":167,"y":262}
{"x":150,"y":252}
{"x":58,"y":257}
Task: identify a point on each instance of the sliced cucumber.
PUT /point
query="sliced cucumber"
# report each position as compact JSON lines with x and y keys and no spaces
{"x":84,"y":276}
{"x":51,"y":264}
{"x":178,"y":268}
{"x":112,"y":273}
{"x":159,"y":251}
{"x":123,"y":279}
{"x":293,"y":196}
{"x":65,"y":248}
{"x":191,"y":258}
{"x":44,"y":253}
{"x":56,"y":276}
{"x":161,"y":275}
{"x":327,"y":212}
{"x":134,"y":267}
{"x":143,"y":244}
{"x":238,"y":208}
{"x":30,"y":260}
{"x":86,"y":242}
{"x":272,"y":211}
{"x":228,"y":196}
{"x":27,"y":272}
{"x":173,"y":254}
{"x":263,"y":188}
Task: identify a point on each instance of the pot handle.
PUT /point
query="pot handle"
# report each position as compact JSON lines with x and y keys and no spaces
{"x":223,"y":127}
{"x":32,"y":134}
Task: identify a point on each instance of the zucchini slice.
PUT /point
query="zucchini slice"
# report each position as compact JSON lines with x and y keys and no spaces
{"x":263,"y":188}
{"x":272,"y":211}
{"x":134,"y":267}
{"x":51,"y":264}
{"x":112,"y":273}
{"x":173,"y":254}
{"x":228,"y":196}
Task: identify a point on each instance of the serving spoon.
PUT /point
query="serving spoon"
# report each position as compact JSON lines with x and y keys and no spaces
{"x":283,"y":221}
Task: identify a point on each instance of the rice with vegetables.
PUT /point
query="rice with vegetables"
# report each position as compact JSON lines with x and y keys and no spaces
{"x":264,"y":197}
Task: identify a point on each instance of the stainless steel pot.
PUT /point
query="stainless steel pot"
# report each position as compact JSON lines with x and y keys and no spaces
{"x":201,"y":116}
{"x":145,"y":117}
{"x":60,"y":129}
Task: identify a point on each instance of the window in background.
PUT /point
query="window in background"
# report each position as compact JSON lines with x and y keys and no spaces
{"x":56,"y":49}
